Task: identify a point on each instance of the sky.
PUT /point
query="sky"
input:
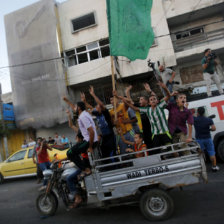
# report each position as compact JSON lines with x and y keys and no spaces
{"x":8,"y":6}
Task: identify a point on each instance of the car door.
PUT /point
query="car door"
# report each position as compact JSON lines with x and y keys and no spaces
{"x":14,"y":165}
{"x":29,"y":166}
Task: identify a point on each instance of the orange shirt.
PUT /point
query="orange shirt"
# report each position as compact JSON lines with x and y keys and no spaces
{"x":140,"y":149}
{"x":122,"y":114}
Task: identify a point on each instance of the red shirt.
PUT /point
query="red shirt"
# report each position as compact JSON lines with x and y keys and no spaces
{"x":43,"y":156}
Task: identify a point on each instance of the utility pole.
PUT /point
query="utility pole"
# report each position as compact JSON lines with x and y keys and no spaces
{"x":5,"y":141}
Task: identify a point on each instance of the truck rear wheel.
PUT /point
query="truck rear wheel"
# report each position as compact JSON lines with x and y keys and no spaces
{"x":156,"y":205}
{"x":220,"y":150}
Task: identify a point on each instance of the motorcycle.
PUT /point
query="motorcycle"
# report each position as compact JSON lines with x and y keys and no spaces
{"x":47,"y":200}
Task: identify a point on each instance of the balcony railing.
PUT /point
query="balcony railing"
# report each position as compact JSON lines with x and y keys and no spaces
{"x":197,"y":40}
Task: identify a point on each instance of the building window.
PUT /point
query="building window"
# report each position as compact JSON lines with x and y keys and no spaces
{"x":83,"y":22}
{"x":189,"y":33}
{"x":89,"y":52}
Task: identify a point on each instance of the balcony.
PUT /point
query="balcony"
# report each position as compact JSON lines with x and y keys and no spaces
{"x":199,"y":39}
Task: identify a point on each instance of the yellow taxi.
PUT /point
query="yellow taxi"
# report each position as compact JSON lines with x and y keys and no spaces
{"x":20,"y":164}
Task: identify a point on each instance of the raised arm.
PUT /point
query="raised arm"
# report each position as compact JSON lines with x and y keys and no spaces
{"x":40,"y":149}
{"x":172,"y":77}
{"x":83,"y":98}
{"x":69,"y":103}
{"x":98,"y":101}
{"x":162,"y":85}
{"x":148,"y":89}
{"x":70,"y":123}
{"x":127,"y":92}
{"x":125,"y":101}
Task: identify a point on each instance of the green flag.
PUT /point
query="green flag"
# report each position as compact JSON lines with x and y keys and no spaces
{"x":130,"y":31}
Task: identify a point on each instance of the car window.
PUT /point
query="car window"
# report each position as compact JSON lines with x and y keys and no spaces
{"x":30,"y":153}
{"x":17,"y":156}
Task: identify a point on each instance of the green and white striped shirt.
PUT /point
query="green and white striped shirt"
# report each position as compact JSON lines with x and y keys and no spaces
{"x":157,"y":118}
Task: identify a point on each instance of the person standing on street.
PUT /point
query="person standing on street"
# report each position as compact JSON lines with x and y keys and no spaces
{"x":208,"y":63}
{"x":35,"y":161}
{"x":203,"y":125}
{"x":43,"y":157}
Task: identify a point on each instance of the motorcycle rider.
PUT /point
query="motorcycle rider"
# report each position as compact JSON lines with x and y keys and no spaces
{"x":72,"y":179}
{"x":88,"y":131}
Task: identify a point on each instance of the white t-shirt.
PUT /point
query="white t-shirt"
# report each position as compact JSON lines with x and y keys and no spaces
{"x":85,"y":121}
{"x":166,"y":75}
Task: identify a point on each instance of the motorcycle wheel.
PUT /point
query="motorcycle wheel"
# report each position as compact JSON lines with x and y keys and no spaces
{"x":47,"y":205}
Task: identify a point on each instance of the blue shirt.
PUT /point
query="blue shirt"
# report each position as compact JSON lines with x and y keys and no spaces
{"x":202,"y":127}
{"x":103,"y":122}
{"x":64,"y":140}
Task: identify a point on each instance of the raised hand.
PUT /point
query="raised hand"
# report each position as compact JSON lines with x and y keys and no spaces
{"x":115,"y":93}
{"x":65,"y":98}
{"x":174,"y":93}
{"x":128,"y":88}
{"x":83,"y":97}
{"x":91,"y":90}
{"x":147,"y":87}
{"x":161,"y":84}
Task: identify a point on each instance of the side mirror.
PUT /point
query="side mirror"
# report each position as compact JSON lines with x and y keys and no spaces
{"x":212,"y":116}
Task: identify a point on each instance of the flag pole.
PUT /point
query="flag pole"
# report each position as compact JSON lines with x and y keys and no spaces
{"x":113,"y":86}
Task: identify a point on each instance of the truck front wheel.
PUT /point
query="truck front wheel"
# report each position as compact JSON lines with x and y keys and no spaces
{"x":156,"y":205}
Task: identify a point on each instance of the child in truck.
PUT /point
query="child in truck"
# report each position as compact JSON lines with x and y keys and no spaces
{"x":156,"y":115}
{"x":138,"y":144}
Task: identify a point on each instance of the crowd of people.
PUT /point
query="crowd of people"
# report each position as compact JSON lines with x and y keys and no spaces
{"x":120,"y":133}
{"x":118,"y":128}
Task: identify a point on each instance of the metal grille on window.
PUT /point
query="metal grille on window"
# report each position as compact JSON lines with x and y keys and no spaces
{"x":83,"y":22}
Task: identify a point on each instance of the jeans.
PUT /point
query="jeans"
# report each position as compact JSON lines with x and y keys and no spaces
{"x":208,"y":145}
{"x":45,"y":166}
{"x":72,"y":181}
{"x":170,"y":88}
{"x":215,"y":77}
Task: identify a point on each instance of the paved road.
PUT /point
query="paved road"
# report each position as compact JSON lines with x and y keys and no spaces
{"x":199,"y":204}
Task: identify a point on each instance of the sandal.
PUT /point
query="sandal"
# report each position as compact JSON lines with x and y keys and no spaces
{"x":76,"y":203}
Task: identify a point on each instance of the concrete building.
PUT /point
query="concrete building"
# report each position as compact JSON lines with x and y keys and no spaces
{"x":183,"y":31}
{"x":84,"y":33}
{"x":77,"y":30}
{"x":37,"y":72}
{"x":195,"y":26}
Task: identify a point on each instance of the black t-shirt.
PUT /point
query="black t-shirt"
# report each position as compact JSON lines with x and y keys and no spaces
{"x":146,"y":127}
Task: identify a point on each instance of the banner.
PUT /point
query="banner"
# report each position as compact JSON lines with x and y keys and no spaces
{"x":130,"y":31}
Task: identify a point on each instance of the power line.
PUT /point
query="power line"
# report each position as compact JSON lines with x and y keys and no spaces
{"x":60,"y":58}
